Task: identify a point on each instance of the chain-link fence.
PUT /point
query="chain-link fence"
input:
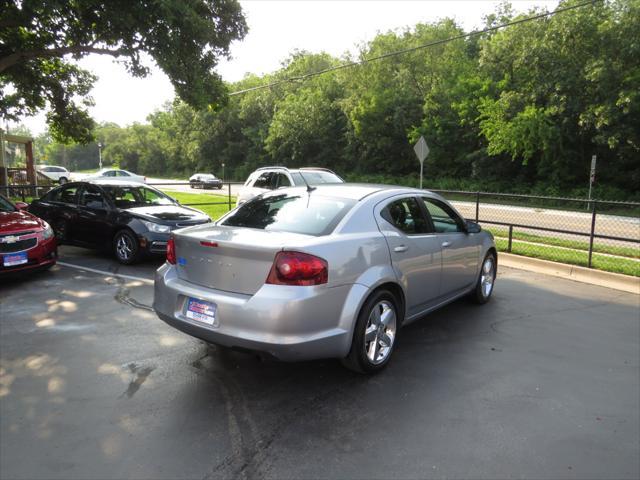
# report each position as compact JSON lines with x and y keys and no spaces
{"x":595,"y":234}
{"x":591,"y":233}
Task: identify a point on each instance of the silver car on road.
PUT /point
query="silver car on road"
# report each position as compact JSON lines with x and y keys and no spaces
{"x":323,"y":272}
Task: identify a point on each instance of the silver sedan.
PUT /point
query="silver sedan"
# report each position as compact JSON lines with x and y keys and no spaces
{"x":323,"y":272}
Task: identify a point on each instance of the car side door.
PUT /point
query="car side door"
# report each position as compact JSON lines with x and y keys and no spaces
{"x":93,"y":224}
{"x":460,"y":250}
{"x":415,"y":250}
{"x":61,"y":211}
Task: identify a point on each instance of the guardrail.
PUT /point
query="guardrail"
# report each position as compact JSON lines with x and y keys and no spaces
{"x":591,"y":233}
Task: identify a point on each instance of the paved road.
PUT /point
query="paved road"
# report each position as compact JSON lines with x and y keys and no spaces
{"x":610,"y":225}
{"x":543,"y":382}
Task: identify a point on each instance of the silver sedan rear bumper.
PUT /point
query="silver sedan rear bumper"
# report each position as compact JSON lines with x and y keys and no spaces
{"x":288,"y":323}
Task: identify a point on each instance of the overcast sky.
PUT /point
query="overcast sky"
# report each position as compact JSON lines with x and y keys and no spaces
{"x":277,"y":28}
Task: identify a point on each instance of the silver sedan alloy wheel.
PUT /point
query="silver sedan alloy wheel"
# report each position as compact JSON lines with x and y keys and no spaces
{"x":487,"y":277}
{"x":380,"y":332}
{"x":124,"y":247}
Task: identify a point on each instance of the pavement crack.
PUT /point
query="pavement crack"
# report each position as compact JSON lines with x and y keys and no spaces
{"x":123,"y":296}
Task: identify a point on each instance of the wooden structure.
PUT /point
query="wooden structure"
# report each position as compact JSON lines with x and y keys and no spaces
{"x":28,"y":147}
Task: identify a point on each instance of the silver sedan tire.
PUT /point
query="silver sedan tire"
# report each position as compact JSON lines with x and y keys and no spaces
{"x":375,"y":334}
{"x":486,"y":279}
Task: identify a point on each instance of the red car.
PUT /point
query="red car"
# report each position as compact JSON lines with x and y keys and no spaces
{"x":26,"y":241}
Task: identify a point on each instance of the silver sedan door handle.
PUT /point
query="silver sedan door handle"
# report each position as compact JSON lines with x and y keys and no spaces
{"x":400,"y":248}
{"x":446,"y":244}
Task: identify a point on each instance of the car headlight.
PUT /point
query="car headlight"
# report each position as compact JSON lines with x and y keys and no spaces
{"x":156,"y":227}
{"x":47,"y":233}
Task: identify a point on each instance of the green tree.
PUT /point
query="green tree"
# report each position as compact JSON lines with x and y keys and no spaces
{"x":37,"y":37}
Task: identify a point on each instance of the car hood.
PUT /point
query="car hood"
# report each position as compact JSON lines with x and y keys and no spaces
{"x":11,"y":222}
{"x":168,"y":214}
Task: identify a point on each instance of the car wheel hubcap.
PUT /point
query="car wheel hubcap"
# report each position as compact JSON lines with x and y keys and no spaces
{"x":487,"y":277}
{"x":380,"y":332}
{"x":124,"y":247}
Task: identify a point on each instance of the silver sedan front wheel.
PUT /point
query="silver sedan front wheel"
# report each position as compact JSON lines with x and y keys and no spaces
{"x":486,"y":280}
{"x":488,"y":276}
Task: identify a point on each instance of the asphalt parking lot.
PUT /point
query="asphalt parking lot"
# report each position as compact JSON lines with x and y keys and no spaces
{"x":542,"y":382}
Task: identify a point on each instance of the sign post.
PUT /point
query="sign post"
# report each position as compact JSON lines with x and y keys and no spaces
{"x":422,"y":150}
{"x":592,"y":175}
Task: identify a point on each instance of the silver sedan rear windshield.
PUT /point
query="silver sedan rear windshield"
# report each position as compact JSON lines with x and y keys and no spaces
{"x":308,"y":214}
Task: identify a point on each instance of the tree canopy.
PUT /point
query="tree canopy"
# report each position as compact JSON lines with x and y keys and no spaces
{"x":40,"y":38}
{"x":519,"y":109}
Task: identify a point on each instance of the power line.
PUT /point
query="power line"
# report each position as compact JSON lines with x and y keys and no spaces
{"x":413,"y":49}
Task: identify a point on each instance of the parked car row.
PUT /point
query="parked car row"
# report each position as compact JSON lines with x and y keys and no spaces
{"x":305,"y":267}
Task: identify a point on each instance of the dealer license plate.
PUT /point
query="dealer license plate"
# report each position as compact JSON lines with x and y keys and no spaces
{"x":201,"y":311}
{"x":14,"y":259}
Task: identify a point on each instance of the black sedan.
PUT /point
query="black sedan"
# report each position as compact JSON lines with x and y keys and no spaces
{"x":128,"y":218}
{"x":205,"y":180}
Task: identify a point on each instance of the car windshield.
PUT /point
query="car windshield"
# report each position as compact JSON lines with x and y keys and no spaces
{"x":314,"y":177}
{"x":134,"y":196}
{"x":307,"y":214}
{"x":6,"y":206}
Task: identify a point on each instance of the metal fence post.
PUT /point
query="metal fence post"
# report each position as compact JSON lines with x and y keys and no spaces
{"x":593,"y":231}
{"x":229,"y":185}
{"x":477,"y":206}
{"x":510,"y":238}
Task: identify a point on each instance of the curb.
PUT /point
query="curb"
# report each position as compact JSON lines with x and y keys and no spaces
{"x":617,"y":281}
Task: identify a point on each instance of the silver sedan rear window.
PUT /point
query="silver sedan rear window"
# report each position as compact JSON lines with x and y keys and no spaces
{"x":308,"y":214}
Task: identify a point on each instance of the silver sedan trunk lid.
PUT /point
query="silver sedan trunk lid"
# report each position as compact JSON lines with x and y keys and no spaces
{"x":232,"y":259}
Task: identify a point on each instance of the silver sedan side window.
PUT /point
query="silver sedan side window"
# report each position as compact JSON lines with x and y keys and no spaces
{"x":405,"y":215}
{"x":443,"y":218}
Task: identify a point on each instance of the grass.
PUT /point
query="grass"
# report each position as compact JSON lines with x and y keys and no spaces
{"x":214,"y":211}
{"x":19,"y":199}
{"x":572,"y":257}
{"x":631,"y":252}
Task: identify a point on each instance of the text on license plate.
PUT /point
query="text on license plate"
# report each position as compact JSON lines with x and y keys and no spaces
{"x":14,"y":259}
{"x":201,"y":311}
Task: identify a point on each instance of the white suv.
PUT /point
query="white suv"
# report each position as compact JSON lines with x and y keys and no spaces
{"x":55,"y":173}
{"x":272,"y":178}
